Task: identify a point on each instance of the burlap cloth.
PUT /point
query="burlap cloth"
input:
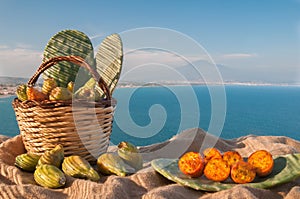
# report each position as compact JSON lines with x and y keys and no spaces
{"x":147,"y":183}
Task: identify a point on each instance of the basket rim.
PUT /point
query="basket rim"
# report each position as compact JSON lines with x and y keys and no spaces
{"x":16,"y":103}
{"x":75,"y":60}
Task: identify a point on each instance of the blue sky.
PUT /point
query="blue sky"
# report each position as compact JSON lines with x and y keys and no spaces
{"x":248,"y":40}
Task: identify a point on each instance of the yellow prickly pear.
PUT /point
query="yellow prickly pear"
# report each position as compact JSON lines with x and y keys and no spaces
{"x":78,"y":167}
{"x":90,"y":83}
{"x":48,"y":85}
{"x":70,"y":86}
{"x":60,"y":93}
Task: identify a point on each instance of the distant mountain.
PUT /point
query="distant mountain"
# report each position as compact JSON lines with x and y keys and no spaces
{"x":204,"y":70}
{"x":13,"y":80}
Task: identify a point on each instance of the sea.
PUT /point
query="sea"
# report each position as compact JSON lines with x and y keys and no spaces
{"x":148,"y":115}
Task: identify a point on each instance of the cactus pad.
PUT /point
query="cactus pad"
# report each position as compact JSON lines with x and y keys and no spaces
{"x":109,"y":60}
{"x":286,"y":169}
{"x":64,"y":43}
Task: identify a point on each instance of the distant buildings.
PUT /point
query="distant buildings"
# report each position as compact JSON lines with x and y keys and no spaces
{"x":7,"y":89}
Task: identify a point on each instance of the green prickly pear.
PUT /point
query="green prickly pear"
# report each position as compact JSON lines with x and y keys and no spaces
{"x":130,"y":154}
{"x":88,"y":91}
{"x":111,"y":163}
{"x":27,"y":161}
{"x":53,"y":157}
{"x":49,"y":176}
{"x":22,"y":92}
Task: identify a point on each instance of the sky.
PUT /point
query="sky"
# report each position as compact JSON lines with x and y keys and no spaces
{"x":243,"y":40}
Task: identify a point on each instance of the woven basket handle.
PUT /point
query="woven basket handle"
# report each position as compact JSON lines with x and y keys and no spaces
{"x":75,"y":60}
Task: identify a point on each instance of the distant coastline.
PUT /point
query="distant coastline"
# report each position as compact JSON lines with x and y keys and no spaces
{"x":5,"y":96}
{"x":154,"y":84}
{"x":7,"y":90}
{"x":8,"y":85}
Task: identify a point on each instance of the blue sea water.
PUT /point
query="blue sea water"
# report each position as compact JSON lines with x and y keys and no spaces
{"x":148,"y":115}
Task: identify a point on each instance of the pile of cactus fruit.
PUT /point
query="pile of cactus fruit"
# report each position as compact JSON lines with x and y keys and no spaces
{"x":51,"y":91}
{"x":50,"y":169}
{"x":58,"y":79}
{"x":66,"y":81}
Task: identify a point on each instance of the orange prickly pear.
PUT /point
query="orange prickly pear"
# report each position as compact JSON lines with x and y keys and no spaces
{"x":35,"y":94}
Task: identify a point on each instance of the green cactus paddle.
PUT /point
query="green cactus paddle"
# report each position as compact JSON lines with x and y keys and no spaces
{"x":286,"y":169}
{"x":109,"y":60}
{"x":64,"y":43}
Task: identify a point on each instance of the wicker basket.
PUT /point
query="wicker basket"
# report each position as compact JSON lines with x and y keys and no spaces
{"x":82,"y":127}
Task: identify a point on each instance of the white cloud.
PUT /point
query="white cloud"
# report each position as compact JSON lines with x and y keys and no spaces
{"x":3,"y":47}
{"x":19,"y":62}
{"x":155,"y":64}
{"x":133,"y":58}
{"x":158,"y":65}
{"x":23,"y":46}
{"x":238,"y":55}
{"x":97,"y":36}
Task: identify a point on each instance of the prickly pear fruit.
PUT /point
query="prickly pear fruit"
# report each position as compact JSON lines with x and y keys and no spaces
{"x":21,"y":92}
{"x":88,"y":91}
{"x":89,"y":94}
{"x":35,"y":94}
{"x":111,"y":163}
{"x":130,"y":154}
{"x":78,"y":167}
{"x":48,"y":85}
{"x":70,"y":86}
{"x":83,"y":94}
{"x":27,"y":161}
{"x":60,"y":93}
{"x":90,"y":83}
{"x":53,"y":157}
{"x":49,"y":176}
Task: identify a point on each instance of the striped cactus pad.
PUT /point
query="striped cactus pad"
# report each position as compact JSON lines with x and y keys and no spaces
{"x":109,"y":60}
{"x":286,"y":169}
{"x":65,"y":43}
